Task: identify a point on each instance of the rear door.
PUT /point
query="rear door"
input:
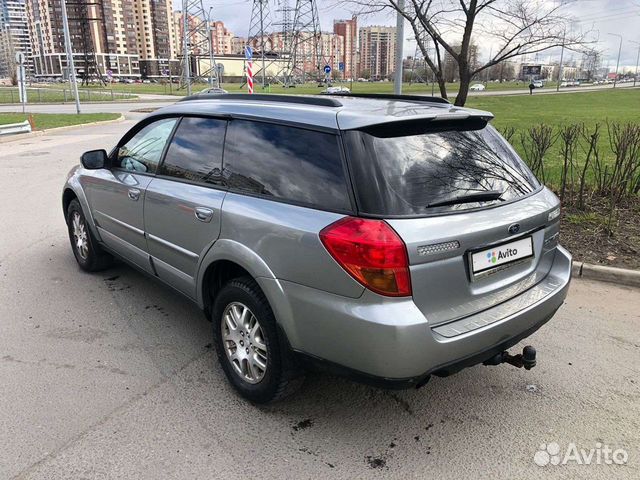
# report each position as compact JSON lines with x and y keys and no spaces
{"x":116,"y":196}
{"x":476,"y":222}
{"x":183,"y":202}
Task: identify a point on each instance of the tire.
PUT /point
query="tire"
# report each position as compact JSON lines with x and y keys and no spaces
{"x":280,"y":377}
{"x":90,"y":257}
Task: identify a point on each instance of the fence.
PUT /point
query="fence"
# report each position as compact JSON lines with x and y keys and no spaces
{"x":64,"y":95}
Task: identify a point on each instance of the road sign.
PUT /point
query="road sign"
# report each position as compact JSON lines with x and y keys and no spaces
{"x":20,"y":58}
{"x":248,"y":52}
{"x":327,"y":69}
{"x":341,"y":66}
{"x":531,"y":69}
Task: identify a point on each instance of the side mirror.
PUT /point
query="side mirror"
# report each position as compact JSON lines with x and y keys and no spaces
{"x":94,"y":159}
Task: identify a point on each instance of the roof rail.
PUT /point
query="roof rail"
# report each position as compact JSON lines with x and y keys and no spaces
{"x":267,"y":97}
{"x":391,"y":96}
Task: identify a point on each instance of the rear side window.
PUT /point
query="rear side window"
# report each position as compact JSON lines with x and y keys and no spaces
{"x":410,"y":173}
{"x":195,"y":153}
{"x":287,"y":163}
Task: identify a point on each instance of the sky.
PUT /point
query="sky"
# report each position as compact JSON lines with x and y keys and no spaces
{"x":601,"y":16}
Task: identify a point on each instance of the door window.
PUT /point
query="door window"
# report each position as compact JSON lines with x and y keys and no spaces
{"x":143,"y":151}
{"x":287,"y":163}
{"x":195,"y":153}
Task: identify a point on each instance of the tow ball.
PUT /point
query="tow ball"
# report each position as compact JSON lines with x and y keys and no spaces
{"x":526,"y":359}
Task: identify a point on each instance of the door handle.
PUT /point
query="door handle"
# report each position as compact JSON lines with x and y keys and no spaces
{"x":204,"y":214}
{"x":134,"y":194}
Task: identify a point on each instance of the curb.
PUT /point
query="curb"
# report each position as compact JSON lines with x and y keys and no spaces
{"x":620,"y":276}
{"x":39,"y":133}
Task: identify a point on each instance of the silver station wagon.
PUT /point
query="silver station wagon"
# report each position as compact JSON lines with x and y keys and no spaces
{"x":388,"y":238}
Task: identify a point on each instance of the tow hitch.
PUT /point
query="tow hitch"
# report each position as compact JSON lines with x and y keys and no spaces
{"x":526,"y":359}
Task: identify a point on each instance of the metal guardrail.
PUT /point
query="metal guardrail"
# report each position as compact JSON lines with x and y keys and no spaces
{"x":14,"y":128}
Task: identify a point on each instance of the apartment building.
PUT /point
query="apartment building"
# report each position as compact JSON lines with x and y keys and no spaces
{"x":377,"y":51}
{"x":348,"y":30}
{"x":14,"y":36}
{"x":125,"y":38}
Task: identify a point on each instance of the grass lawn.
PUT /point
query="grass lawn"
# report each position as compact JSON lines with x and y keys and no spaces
{"x":590,"y":108}
{"x":61,"y":93}
{"x":44,"y":121}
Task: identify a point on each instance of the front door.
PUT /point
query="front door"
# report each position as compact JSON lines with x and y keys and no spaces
{"x":116,"y":196}
{"x":183,"y":203}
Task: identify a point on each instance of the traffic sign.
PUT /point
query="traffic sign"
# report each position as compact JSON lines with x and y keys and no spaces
{"x":248,"y":52}
{"x":327,"y":69}
{"x":341,"y":66}
{"x":20,"y":58}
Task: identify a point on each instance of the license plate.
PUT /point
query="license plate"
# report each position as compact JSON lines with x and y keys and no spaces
{"x":500,"y":255}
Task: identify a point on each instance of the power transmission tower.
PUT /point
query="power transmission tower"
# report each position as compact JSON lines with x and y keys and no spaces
{"x":196,"y":44}
{"x":415,"y":76}
{"x":81,"y":14}
{"x":305,"y":43}
{"x":259,"y":29}
{"x":286,"y":26}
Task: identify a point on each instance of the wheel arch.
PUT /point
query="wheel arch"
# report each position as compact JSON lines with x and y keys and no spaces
{"x":225,"y":260}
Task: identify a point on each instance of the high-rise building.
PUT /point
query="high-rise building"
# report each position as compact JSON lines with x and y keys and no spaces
{"x":14,"y":35}
{"x":377,"y":51}
{"x":222,"y":39}
{"x":124,"y":37}
{"x":348,"y":30}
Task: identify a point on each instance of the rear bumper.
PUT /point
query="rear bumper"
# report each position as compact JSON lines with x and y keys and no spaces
{"x":389,"y":342}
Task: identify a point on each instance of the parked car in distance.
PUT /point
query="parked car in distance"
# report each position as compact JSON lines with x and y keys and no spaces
{"x":538,"y":84}
{"x":386,"y":238}
{"x":213,"y":90}
{"x":477,"y":87}
{"x":338,"y":89}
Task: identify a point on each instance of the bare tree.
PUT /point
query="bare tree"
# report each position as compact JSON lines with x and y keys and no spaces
{"x":513,"y":28}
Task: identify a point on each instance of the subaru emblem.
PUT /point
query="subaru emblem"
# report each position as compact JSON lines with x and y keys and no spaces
{"x":515,"y":228}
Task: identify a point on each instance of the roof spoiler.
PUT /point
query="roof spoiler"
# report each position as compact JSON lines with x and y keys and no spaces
{"x":391,"y":96}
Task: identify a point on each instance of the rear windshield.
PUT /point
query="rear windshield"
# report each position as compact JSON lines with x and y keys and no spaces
{"x":397,"y":173}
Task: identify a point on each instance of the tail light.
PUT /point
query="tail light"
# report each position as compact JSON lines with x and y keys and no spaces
{"x":371,"y":252}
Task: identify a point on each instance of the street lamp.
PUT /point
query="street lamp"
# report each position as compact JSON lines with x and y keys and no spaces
{"x":615,"y":80}
{"x":210,"y":48}
{"x":637,"y":61}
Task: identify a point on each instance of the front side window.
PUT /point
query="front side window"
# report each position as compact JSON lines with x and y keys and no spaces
{"x":142,"y":152}
{"x":195,"y":153}
{"x":292,"y":164}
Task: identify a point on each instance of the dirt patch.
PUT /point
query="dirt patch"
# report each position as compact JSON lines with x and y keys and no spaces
{"x":585,"y":234}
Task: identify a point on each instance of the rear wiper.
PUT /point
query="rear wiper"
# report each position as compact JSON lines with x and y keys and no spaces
{"x":469,"y":198}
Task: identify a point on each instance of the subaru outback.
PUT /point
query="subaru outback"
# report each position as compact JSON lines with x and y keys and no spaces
{"x":388,"y":238}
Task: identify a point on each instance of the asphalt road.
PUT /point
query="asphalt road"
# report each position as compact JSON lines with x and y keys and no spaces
{"x":112,"y":375}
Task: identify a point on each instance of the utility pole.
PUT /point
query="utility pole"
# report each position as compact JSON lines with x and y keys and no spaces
{"x":69,"y":50}
{"x":564,"y":37}
{"x":397,"y":86}
{"x":185,"y":46}
{"x":211,"y":66}
{"x":635,"y":77}
{"x":615,"y":80}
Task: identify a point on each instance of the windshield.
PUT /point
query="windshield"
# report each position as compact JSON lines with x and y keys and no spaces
{"x":434,"y":171}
